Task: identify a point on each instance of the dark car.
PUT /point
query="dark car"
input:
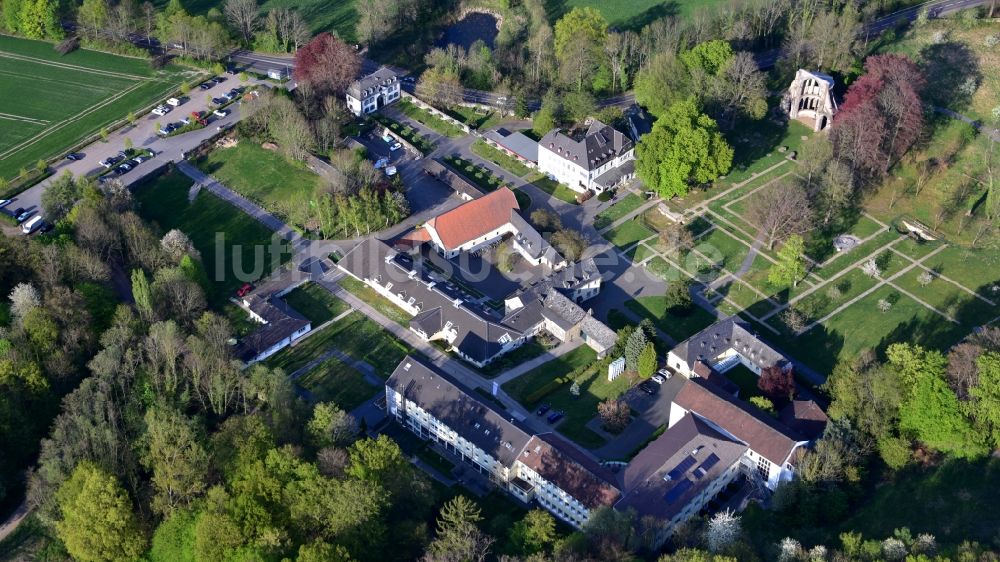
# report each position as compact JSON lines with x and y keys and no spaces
{"x":74,"y":156}
{"x":16,"y":211}
{"x":124,"y":154}
{"x":205,"y":86}
{"x":649,"y":387}
{"x":542,"y":409}
{"x":110,"y":161}
{"x":219,"y":101}
{"x":219,"y":79}
{"x":23,"y":216}
{"x":555,"y":416}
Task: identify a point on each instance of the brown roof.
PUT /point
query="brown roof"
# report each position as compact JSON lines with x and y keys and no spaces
{"x":475,"y":218}
{"x":805,"y":417}
{"x":762,"y":433}
{"x":570,"y":469}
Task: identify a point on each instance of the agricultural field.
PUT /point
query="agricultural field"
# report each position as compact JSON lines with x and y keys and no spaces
{"x":164,"y":201}
{"x":633,"y":14}
{"x":49,"y":103}
{"x":340,"y":17}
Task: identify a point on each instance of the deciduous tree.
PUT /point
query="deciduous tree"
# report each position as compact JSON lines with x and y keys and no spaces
{"x":791,"y":265}
{"x":244,"y":17}
{"x":326,"y":64}
{"x":780,"y":211}
{"x":97,"y":523}
{"x":176,"y":457}
{"x":777,"y":383}
{"x":615,"y":414}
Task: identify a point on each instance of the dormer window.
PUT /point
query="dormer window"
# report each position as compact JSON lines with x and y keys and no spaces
{"x":504,"y":339}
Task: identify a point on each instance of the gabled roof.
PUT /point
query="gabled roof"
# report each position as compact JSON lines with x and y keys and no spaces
{"x":281,"y":321}
{"x":450,"y":402}
{"x":600,"y":144}
{"x":567,"y":467}
{"x":764,"y":434}
{"x":474,"y":218}
{"x":677,"y":466}
{"x":516,"y":142}
{"x":444,"y":173}
{"x":731,"y":333}
{"x":804,"y":417}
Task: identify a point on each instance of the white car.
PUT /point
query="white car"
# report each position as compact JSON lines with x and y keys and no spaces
{"x":173,"y":102}
{"x":395,"y":146}
{"x":4,"y":203}
{"x":390,"y":171}
{"x":161,"y":110}
{"x":381,"y":163}
{"x":220,"y":113}
{"x":658,"y":378}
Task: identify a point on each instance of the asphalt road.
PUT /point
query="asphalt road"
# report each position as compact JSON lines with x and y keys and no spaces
{"x":143,"y":135}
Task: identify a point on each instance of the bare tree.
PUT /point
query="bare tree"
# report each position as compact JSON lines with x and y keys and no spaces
{"x":615,"y":414}
{"x":148,"y":20}
{"x":377,"y":19}
{"x":780,"y":211}
{"x":675,"y":237}
{"x":741,"y":89}
{"x":244,"y":16}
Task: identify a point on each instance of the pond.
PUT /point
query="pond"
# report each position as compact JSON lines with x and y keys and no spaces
{"x":466,"y":31}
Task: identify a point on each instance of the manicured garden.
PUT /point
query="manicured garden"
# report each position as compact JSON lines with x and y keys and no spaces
{"x":428,"y":119}
{"x":623,"y":207}
{"x":500,"y":158}
{"x":315,"y":303}
{"x":555,"y":189}
{"x":164,"y":201}
{"x":628,"y":233}
{"x":333,"y":381}
{"x":678,"y":324}
{"x":478,"y":175}
{"x":406,"y":132}
{"x":475,"y":117}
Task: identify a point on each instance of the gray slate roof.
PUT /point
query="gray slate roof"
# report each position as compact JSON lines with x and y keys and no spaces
{"x":516,"y":142}
{"x":730,"y":333}
{"x":456,"y":406}
{"x":599,"y":144}
{"x":646,"y":488}
{"x":381,"y":77}
{"x":281,"y":322}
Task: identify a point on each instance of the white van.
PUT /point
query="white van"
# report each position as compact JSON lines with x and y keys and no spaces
{"x":34,"y":224}
{"x":174,"y":102}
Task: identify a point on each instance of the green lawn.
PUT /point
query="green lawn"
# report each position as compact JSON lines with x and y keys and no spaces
{"x":975,"y":269}
{"x":333,"y":381}
{"x":746,"y":380}
{"x":376,"y":301}
{"x":662,"y":269}
{"x":428,"y":119}
{"x":478,"y":175}
{"x":677,"y":325}
{"x":524,"y":353}
{"x":264,"y":176}
{"x":357,"y":336}
{"x":523,"y":200}
{"x":212,"y":223}
{"x":475,"y":117}
{"x":53,"y":102}
{"x":628,"y":233}
{"x":315,"y":303}
{"x":627,"y":204}
{"x":634,"y":14}
{"x":594,"y":388}
{"x":502,"y":159}
{"x":340,"y":17}
{"x":556,"y":189}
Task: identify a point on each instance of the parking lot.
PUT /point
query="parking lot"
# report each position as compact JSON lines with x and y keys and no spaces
{"x":653,"y":411}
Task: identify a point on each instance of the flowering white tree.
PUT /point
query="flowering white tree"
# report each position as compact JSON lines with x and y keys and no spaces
{"x":925,"y":278}
{"x":723,"y":530}
{"x":893,"y":549}
{"x":884,"y":305}
{"x":817,"y":553}
{"x":871,"y":269}
{"x":176,"y":244}
{"x":23,"y":299}
{"x":789,"y":550}
{"x":925,"y":544}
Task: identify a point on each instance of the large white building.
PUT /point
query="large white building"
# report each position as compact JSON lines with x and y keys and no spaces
{"x":373,"y":92}
{"x":532,"y":467}
{"x":597,"y":159}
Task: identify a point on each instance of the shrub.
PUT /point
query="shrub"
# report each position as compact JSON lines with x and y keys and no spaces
{"x":67,"y":46}
{"x":605,"y":196}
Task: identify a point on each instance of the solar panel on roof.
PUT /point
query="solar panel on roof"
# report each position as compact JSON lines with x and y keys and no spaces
{"x":706,"y":465}
{"x":681,"y":468}
{"x":677,"y":491}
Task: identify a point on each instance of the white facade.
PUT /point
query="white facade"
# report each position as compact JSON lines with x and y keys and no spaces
{"x":281,"y":344}
{"x":550,"y":496}
{"x":373,"y":92}
{"x":469,"y":245}
{"x":574,"y":175}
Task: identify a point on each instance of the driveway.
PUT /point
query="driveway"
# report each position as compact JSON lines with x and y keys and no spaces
{"x":143,"y":135}
{"x":654,"y":411}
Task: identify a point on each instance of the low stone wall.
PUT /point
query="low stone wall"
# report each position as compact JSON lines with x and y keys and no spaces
{"x":436,"y":112}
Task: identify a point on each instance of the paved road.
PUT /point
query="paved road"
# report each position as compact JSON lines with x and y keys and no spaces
{"x":143,"y":135}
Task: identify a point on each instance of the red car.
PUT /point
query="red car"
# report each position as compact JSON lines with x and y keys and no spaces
{"x":244,"y":290}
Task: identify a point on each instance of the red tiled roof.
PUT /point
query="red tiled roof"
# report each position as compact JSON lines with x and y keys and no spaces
{"x":475,"y":218}
{"x":413,"y":238}
{"x":765,"y":435}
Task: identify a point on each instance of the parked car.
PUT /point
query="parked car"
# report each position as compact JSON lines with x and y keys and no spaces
{"x":16,"y":212}
{"x":648,"y":387}
{"x":141,"y":158}
{"x":390,"y":171}
{"x":244,"y":290}
{"x":161,"y":110}
{"x":74,"y":156}
{"x":543,"y":408}
{"x":23,"y":216}
{"x":219,"y":79}
{"x":173,"y":102}
{"x":658,"y":378}
{"x":409,"y":80}
{"x":205,"y":86}
{"x":110,"y":161}
{"x":395,"y":146}
{"x":4,"y":203}
{"x":123,"y":169}
{"x":125,"y":153}
{"x":555,"y":416}
{"x":186,"y":120}
{"x":236,"y":91}
{"x":32,"y":225}
{"x":219,"y":101}
{"x":381,"y":163}
{"x":223,"y":126}
{"x":220,"y":113}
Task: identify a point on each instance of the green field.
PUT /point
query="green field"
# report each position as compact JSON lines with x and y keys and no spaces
{"x":333,"y":381}
{"x":339,"y":17}
{"x":164,"y":201}
{"x":49,"y":103}
{"x":315,"y":303}
{"x":633,"y":14}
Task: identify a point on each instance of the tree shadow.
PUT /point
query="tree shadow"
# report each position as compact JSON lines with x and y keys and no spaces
{"x":948,"y":66}
{"x":752,"y":140}
{"x":637,"y":22}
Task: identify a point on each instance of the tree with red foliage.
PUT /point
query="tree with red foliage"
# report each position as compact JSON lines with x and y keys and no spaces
{"x":777,"y":384}
{"x":327,"y":64}
{"x":881,"y":116}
